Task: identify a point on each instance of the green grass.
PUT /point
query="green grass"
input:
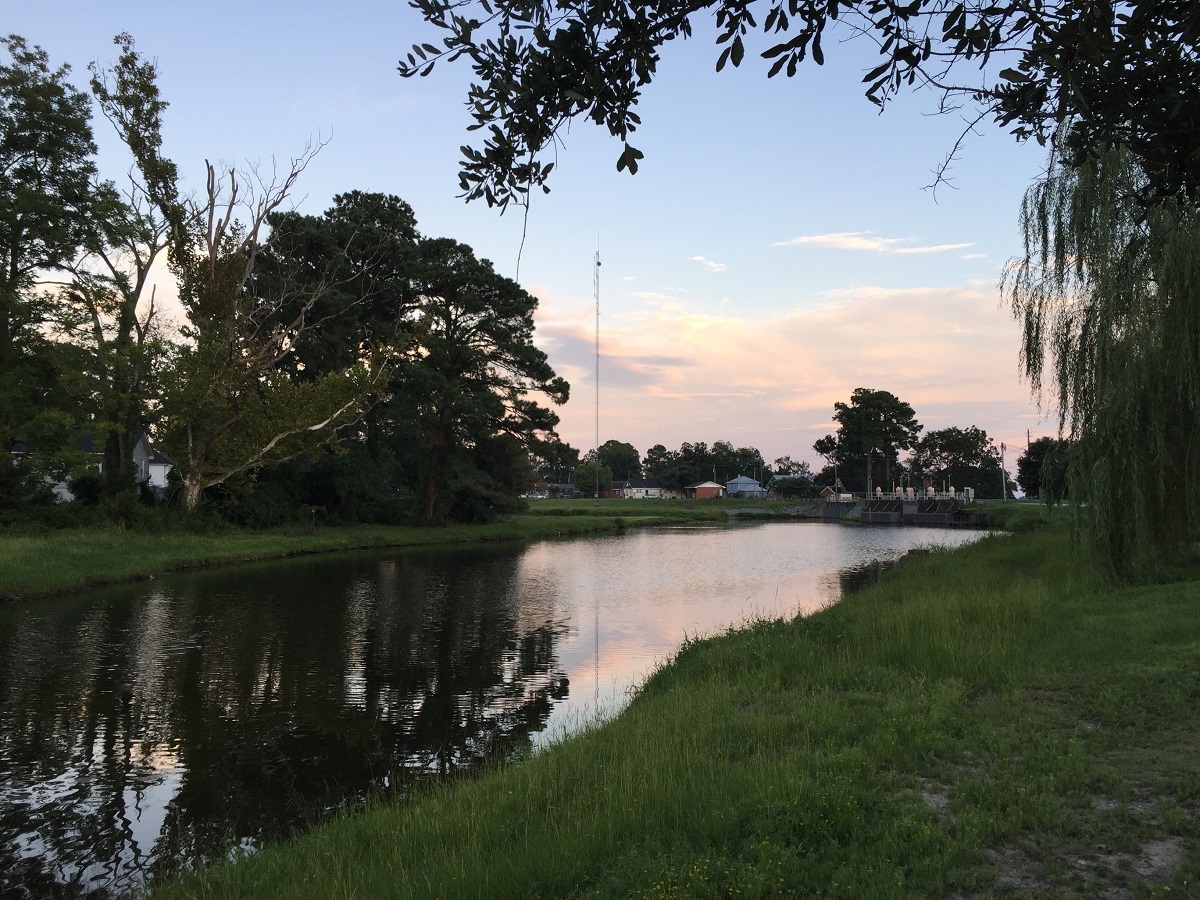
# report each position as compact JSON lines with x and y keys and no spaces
{"x":988,"y":722}
{"x":69,"y":560}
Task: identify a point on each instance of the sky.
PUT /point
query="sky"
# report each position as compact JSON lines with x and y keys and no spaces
{"x":778,"y":248}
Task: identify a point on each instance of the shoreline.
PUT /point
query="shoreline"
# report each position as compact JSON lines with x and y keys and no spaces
{"x":69,"y":561}
{"x":992,"y":720}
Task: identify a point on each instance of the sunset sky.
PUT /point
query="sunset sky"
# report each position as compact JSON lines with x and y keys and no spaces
{"x":776,"y":250}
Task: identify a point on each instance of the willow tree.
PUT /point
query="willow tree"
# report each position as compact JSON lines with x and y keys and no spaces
{"x":1106,"y":293}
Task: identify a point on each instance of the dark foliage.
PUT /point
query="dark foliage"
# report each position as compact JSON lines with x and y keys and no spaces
{"x":1121,"y":71}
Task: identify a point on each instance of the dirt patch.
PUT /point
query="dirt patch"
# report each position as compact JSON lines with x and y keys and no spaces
{"x":935,"y":796}
{"x":1015,"y":870}
{"x":1160,"y":859}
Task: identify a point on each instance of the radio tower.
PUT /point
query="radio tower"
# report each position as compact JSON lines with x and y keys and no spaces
{"x":596,"y":287}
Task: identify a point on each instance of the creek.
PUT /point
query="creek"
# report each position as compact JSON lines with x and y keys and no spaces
{"x":177,"y":721}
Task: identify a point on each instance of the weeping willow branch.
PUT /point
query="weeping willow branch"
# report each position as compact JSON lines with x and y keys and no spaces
{"x":1108,"y":294}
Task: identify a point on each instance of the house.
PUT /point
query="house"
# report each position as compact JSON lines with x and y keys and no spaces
{"x":704,"y":490}
{"x":615,"y":490}
{"x":844,"y":487}
{"x":745,"y":487}
{"x":645,"y":489}
{"x":150,"y":466}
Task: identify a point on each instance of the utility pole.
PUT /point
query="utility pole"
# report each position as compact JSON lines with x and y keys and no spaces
{"x":1003,"y":474}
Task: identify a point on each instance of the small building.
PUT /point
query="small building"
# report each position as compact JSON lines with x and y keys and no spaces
{"x":644,"y":489}
{"x":704,"y":490}
{"x":745,"y":487}
{"x":614,"y":491}
{"x":845,"y":487}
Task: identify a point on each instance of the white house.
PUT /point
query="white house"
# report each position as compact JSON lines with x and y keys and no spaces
{"x":644,"y":489}
{"x":150,"y":466}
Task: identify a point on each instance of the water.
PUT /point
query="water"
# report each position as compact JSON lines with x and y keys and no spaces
{"x":164,"y":724}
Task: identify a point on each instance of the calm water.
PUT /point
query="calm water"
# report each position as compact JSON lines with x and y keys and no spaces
{"x":170,"y":722}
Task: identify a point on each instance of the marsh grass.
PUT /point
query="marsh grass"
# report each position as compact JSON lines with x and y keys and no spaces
{"x":987,"y":722}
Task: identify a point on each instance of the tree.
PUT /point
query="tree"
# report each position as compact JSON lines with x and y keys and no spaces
{"x":105,"y":310}
{"x":1115,"y":70}
{"x":230,"y":405}
{"x":47,"y":160}
{"x":478,"y":364}
{"x":785,"y":465}
{"x":875,"y":424}
{"x":589,"y":476}
{"x":1042,"y":469}
{"x":730,"y":461}
{"x":623,"y":460}
{"x":959,"y":457}
{"x":1106,"y":293}
{"x":657,"y":461}
{"x":555,"y":461}
{"x":363,"y":249}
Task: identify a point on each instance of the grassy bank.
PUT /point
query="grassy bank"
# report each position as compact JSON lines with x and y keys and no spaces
{"x":56,"y":562}
{"x":992,"y":722}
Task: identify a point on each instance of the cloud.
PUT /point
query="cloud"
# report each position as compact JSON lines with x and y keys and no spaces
{"x":866,"y":240}
{"x":710,"y":264}
{"x":974,"y":256}
{"x":936,"y":248}
{"x":669,"y":375}
{"x":843,"y":240}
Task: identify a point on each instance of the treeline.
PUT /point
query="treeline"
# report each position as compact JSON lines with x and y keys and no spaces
{"x":874,"y":429}
{"x":342,"y":362}
{"x":689,"y":464}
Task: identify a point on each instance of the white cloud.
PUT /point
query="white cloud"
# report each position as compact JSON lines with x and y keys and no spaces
{"x":936,"y":248}
{"x":711,"y":265}
{"x":866,"y":240}
{"x":974,"y":256}
{"x":842,"y":240}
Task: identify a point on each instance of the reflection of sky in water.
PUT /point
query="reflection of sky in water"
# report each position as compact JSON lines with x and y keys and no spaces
{"x":211,"y":711}
{"x":632,"y":599}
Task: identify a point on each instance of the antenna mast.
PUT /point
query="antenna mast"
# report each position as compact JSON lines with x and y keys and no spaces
{"x":596,"y":287}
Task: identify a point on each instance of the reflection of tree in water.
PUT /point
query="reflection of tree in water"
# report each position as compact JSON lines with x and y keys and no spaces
{"x":173,"y":727}
{"x":855,"y":578}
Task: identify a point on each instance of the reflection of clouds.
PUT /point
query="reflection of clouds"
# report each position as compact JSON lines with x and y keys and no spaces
{"x":633,"y":599}
{"x":670,"y":376}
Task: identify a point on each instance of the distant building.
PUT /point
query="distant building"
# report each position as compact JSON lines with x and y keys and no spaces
{"x":745,"y":487}
{"x":704,"y":490}
{"x":644,"y":489}
{"x":150,"y":466}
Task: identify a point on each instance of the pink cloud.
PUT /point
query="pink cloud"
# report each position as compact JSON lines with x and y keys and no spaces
{"x":669,"y":376}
